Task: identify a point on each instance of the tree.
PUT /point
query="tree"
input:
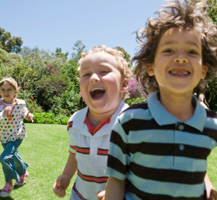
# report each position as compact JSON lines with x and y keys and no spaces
{"x":59,"y":54}
{"x":9,"y":43}
{"x":212,"y":9}
{"x":126,"y":55}
{"x":78,"y":48}
{"x":211,"y":95}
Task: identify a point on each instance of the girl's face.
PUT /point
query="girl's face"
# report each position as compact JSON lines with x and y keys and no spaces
{"x":7,"y":92}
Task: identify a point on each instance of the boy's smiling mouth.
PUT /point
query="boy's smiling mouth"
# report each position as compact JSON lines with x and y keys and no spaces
{"x":96,"y":93}
{"x":179,"y":72}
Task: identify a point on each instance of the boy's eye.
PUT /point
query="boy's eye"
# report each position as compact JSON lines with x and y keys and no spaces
{"x":193,"y":52}
{"x":86,"y":75}
{"x":104,"y":72}
{"x":168,"y":51}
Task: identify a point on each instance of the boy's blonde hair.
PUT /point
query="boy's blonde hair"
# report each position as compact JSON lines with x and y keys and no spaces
{"x":12,"y":82}
{"x":123,"y":65}
{"x":189,"y":14}
{"x":118,"y":55}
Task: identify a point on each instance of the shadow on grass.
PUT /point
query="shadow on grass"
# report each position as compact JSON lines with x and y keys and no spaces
{"x":10,"y":198}
{"x":6,"y":198}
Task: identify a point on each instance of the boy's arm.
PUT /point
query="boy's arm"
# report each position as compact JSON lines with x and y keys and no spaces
{"x":63,"y":180}
{"x":210,"y":190}
{"x":115,"y":189}
{"x":71,"y":166}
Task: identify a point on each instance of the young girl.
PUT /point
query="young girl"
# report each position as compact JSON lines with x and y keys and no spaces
{"x":12,"y":133}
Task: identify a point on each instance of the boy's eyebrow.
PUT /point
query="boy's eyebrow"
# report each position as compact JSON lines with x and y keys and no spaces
{"x":84,"y":68}
{"x":174,"y":42}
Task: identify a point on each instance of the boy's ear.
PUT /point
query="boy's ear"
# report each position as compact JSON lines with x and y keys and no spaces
{"x":125,"y":85}
{"x":204,"y":72}
{"x":150,"y":69}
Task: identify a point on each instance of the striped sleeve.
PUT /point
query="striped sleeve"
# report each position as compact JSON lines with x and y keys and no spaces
{"x":72,"y":148}
{"x":118,"y":160}
{"x":211,"y":127}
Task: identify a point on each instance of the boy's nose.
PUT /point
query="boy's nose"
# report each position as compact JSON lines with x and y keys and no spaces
{"x":94,"y":77}
{"x":180,"y":60}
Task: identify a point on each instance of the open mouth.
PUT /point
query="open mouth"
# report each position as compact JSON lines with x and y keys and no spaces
{"x":96,"y":93}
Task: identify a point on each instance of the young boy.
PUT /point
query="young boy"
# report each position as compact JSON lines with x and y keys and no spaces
{"x":159,"y":148}
{"x":104,"y":77}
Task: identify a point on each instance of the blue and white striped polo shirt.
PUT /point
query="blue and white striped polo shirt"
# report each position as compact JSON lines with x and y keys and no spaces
{"x":159,"y":156}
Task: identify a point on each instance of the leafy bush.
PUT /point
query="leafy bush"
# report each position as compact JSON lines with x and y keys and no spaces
{"x":211,"y":94}
{"x":135,"y":100}
{"x":49,"y":118}
{"x":69,"y":102}
{"x":31,"y":103}
{"x":49,"y":87}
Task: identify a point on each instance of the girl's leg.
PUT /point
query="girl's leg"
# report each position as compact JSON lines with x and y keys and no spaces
{"x":7,"y":160}
{"x":20,"y":165}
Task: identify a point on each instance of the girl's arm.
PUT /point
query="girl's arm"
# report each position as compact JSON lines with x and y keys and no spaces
{"x":29,"y":117}
{"x":5,"y":111}
{"x":25,"y":113}
{"x":115,"y":189}
{"x":63,"y":180}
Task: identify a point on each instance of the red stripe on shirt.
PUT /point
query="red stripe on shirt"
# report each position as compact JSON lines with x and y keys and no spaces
{"x":92,"y":178}
{"x":81,"y":150}
{"x":69,"y":125}
{"x":78,"y":193}
{"x":103,"y":152}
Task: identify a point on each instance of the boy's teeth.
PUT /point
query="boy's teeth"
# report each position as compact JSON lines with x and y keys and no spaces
{"x":179,"y":72}
{"x":92,"y":90}
{"x":97,"y":92}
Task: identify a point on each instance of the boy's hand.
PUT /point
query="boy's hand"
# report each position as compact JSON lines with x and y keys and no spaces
{"x":29,"y":117}
{"x":101,"y":195}
{"x":60,"y":185}
{"x":6,"y":110}
{"x":213,"y":195}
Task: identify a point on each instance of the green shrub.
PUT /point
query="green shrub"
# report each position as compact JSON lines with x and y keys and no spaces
{"x":211,"y":94}
{"x":135,"y":100}
{"x":49,"y":118}
{"x":49,"y":87}
{"x":68,"y":103}
{"x":31,"y":103}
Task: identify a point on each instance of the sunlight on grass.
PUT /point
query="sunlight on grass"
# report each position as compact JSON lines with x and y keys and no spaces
{"x":212,"y":167}
{"x":46,"y":151}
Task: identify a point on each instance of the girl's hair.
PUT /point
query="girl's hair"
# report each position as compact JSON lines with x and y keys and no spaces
{"x":12,"y":82}
{"x":123,"y":65}
{"x":189,"y":14}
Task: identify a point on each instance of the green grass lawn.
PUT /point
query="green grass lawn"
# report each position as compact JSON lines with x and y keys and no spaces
{"x":46,"y":151}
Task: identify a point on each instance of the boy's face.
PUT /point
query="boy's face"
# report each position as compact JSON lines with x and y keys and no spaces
{"x":101,"y":84}
{"x":178,"y":61}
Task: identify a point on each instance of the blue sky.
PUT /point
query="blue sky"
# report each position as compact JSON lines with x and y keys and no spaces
{"x":49,"y":24}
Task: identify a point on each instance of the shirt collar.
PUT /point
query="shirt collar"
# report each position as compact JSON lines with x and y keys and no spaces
{"x":163,"y":117}
{"x":92,"y":129}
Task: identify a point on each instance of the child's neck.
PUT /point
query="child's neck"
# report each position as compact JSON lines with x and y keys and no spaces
{"x":10,"y":102}
{"x":180,"y":106}
{"x":91,"y":115}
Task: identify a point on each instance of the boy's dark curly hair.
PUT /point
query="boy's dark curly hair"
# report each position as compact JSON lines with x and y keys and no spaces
{"x":190,"y":14}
